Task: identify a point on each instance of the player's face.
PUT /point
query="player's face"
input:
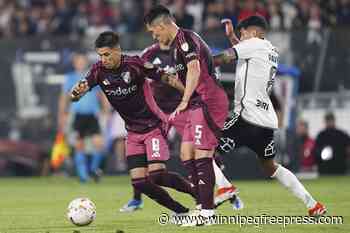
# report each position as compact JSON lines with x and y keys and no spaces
{"x":80,"y":62}
{"x":159,"y":33}
{"x":301,"y":129}
{"x":110,"y":57}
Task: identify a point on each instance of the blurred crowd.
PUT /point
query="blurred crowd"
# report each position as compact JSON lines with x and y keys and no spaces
{"x":88,"y":17}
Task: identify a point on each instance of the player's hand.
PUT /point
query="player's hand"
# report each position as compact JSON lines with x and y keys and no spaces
{"x":79,"y":90}
{"x":182,"y":107}
{"x":229,"y":30}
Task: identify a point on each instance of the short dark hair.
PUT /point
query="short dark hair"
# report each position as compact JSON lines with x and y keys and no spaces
{"x":254,"y":20}
{"x":156,"y":12}
{"x":107,"y":39}
{"x":329,"y":116}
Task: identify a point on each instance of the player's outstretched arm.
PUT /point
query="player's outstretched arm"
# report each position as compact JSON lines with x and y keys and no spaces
{"x":79,"y":90}
{"x":230,"y":32}
{"x":192,"y":79}
{"x":225,"y":57}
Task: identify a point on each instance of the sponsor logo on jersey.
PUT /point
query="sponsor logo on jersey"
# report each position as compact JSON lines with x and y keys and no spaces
{"x":121,"y":91}
{"x":170,"y":70}
{"x":193,"y":54}
{"x":179,"y":67}
{"x":261,"y":104}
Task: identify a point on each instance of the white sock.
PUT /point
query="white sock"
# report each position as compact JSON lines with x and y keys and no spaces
{"x":220,"y":179}
{"x":291,"y":182}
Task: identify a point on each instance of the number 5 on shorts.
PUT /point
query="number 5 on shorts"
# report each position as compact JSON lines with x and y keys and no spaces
{"x":198,"y":134}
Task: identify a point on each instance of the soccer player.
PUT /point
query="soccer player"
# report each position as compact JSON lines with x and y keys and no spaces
{"x":167,"y":99}
{"x":85,"y":120}
{"x":122,"y":79}
{"x":254,"y":116}
{"x":204,"y":103}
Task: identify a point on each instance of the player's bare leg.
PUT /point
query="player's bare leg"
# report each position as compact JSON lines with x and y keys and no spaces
{"x":291,"y":182}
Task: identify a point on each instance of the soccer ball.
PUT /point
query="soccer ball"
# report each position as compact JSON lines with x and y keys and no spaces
{"x":81,"y":211}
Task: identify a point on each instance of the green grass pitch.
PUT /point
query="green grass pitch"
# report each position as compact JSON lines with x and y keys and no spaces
{"x":38,"y":205}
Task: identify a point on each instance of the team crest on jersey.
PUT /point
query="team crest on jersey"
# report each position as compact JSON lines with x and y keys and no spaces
{"x":126,"y":77}
{"x":185,"y":47}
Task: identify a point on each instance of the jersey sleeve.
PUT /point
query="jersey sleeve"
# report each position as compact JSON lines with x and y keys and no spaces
{"x":145,"y":54}
{"x":247,"y":48}
{"x":92,"y":76}
{"x":188,"y":49}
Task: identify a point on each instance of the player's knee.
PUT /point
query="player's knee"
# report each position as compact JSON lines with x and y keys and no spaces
{"x":269,"y":166}
{"x":157,"y":176}
{"x":182,"y":156}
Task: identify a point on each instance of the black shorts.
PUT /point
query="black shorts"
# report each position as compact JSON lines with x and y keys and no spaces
{"x":86,"y":125}
{"x":238,"y":132}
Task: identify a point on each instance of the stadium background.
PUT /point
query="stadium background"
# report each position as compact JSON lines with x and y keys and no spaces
{"x":38,"y":37}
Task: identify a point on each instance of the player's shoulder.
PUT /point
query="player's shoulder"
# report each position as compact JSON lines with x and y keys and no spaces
{"x":97,"y":66}
{"x":268,"y":45}
{"x":185,"y":38}
{"x":95,"y":69}
{"x":254,"y":41}
{"x":148,"y":51}
{"x":137,"y":61}
{"x":259,"y":44}
{"x":130,"y":60}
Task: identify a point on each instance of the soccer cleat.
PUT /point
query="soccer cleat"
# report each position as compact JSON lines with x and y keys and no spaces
{"x":224,"y":194}
{"x":317,"y":210}
{"x":237,"y":203}
{"x":132,"y":206}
